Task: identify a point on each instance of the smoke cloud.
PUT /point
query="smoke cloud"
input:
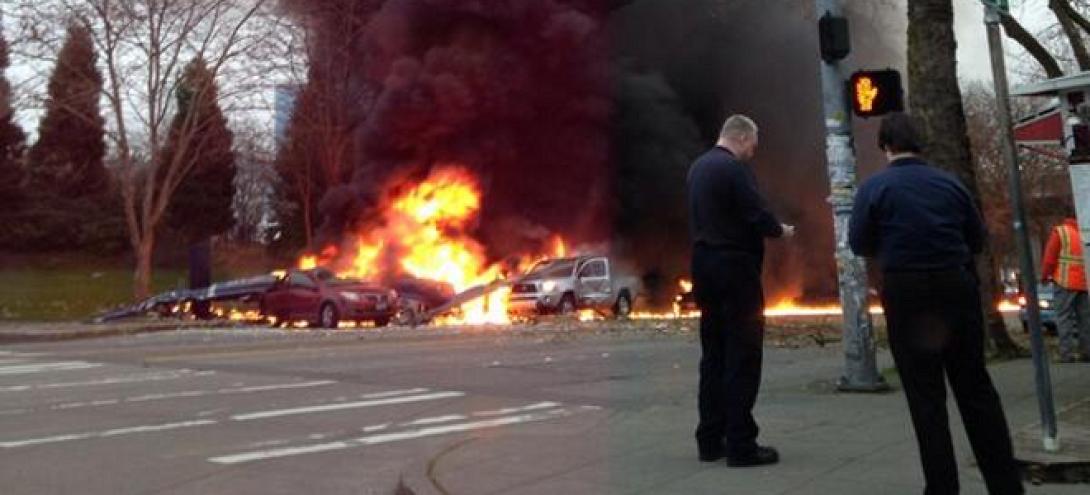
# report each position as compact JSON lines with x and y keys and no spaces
{"x":581,"y":116}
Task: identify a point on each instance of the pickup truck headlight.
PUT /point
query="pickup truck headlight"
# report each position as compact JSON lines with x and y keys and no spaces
{"x":350,"y":296}
{"x":1046,"y":304}
{"x":548,"y":286}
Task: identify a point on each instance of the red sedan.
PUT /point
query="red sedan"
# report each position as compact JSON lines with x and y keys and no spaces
{"x":324,"y":300}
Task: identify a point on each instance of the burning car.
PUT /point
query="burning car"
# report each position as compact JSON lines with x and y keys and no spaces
{"x":323,"y":299}
{"x":417,"y":298}
{"x":566,"y":285}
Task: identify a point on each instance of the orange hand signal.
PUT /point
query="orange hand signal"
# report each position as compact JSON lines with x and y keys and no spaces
{"x":866,"y":93}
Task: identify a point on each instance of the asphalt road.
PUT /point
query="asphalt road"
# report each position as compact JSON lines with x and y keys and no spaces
{"x":543,"y":410}
{"x":266,"y":411}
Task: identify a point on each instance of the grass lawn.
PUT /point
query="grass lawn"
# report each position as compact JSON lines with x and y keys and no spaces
{"x":68,"y":293}
{"x":75,"y":286}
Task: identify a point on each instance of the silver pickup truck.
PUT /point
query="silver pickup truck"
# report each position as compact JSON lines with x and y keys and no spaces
{"x":566,"y":285}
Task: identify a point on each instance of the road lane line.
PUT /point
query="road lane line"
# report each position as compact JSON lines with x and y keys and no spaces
{"x":176,"y":395}
{"x":46,"y":368}
{"x":105,"y":434}
{"x":512,"y":410}
{"x":343,"y":406}
{"x":436,"y":420}
{"x":120,"y":380}
{"x":388,"y":437}
{"x":394,"y":393}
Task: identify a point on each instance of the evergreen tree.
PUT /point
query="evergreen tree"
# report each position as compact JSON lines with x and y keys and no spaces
{"x":12,"y":142}
{"x":67,"y":160}
{"x":202,"y":143}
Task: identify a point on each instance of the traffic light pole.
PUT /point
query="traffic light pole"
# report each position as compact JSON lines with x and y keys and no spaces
{"x":860,"y":349}
{"x":1050,"y":436}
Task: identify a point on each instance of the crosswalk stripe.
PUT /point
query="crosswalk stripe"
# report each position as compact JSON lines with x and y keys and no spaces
{"x":106,"y":434}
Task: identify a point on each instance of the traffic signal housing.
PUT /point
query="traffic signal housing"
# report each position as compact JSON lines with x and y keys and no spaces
{"x":876,"y":92}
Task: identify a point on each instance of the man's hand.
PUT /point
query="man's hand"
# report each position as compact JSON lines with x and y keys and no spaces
{"x":788,"y":231}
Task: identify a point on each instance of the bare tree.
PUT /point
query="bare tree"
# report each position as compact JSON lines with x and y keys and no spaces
{"x":1044,"y":178}
{"x":1067,"y":38}
{"x":143,"y":47}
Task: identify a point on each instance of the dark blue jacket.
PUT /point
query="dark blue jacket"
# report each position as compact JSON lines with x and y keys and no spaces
{"x":915,"y":217}
{"x":726,"y":211}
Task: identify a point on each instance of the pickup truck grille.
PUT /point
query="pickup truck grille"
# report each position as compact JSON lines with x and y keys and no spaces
{"x":524,"y":289}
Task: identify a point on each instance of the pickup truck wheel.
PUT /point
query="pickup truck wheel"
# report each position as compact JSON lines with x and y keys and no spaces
{"x":327,"y":316}
{"x":567,"y":305}
{"x":623,"y":307}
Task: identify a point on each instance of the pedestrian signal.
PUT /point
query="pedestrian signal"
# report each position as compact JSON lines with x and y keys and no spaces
{"x":876,"y":92}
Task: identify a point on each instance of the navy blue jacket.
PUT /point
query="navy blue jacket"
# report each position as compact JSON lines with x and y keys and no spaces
{"x":726,"y":211}
{"x":915,"y":217}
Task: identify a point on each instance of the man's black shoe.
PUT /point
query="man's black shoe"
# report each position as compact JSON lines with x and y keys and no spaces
{"x":711,"y":456}
{"x":760,"y":457}
{"x":710,"y":453}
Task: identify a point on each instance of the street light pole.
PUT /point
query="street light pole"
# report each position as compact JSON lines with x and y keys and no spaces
{"x":860,"y":349}
{"x":1050,"y":436}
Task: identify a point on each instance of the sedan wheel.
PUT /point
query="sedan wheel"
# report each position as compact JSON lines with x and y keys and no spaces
{"x":327,"y":318}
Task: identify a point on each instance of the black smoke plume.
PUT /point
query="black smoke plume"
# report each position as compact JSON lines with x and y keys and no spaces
{"x":580,"y":116}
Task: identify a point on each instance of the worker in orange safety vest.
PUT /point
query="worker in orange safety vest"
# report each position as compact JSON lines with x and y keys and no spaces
{"x":1062,"y":264}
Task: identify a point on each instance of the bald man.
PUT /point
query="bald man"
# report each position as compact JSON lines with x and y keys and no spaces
{"x":729,"y":222}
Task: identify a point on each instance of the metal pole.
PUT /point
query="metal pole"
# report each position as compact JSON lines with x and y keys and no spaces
{"x":1050,"y":437}
{"x":860,"y":349}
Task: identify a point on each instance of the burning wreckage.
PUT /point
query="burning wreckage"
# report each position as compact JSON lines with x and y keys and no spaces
{"x":417,"y":265}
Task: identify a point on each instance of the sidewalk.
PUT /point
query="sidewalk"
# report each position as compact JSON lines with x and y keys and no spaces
{"x":830,"y":443}
{"x":35,"y":332}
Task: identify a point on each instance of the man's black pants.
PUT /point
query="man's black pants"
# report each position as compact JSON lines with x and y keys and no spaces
{"x":727,"y":287}
{"x":936,"y":332}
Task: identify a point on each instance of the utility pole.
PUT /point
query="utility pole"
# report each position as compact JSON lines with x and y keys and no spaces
{"x":992,"y":11}
{"x":860,"y":349}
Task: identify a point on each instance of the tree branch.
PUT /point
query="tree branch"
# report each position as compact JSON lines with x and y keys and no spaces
{"x":1071,"y":30}
{"x":1018,"y":33}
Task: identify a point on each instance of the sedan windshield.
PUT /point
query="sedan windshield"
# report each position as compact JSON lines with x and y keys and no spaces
{"x":555,"y":268}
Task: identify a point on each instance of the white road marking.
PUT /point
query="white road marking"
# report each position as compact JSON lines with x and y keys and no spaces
{"x":347,"y":405}
{"x":387,"y":437}
{"x":374,"y":428}
{"x":28,"y":369}
{"x":138,"y":378}
{"x":13,"y":361}
{"x":393,"y":393}
{"x":513,"y":410}
{"x":232,"y":391}
{"x":105,"y":434}
{"x":435,"y":420}
{"x":23,"y":354}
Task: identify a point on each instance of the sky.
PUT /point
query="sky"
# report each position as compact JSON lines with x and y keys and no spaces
{"x":974,"y":63}
{"x":973,"y":58}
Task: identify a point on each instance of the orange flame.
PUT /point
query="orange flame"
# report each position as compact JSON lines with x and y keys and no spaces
{"x":425,"y":232}
{"x":560,"y":249}
{"x":308,"y":262}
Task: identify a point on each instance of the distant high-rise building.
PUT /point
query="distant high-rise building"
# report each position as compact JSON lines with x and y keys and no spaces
{"x":286,"y":95}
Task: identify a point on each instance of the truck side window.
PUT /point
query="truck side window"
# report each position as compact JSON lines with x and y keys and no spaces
{"x":593,"y":269}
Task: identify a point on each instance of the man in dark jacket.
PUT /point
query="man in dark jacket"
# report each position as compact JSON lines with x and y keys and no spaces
{"x":729,"y":223}
{"x":923,"y":228}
